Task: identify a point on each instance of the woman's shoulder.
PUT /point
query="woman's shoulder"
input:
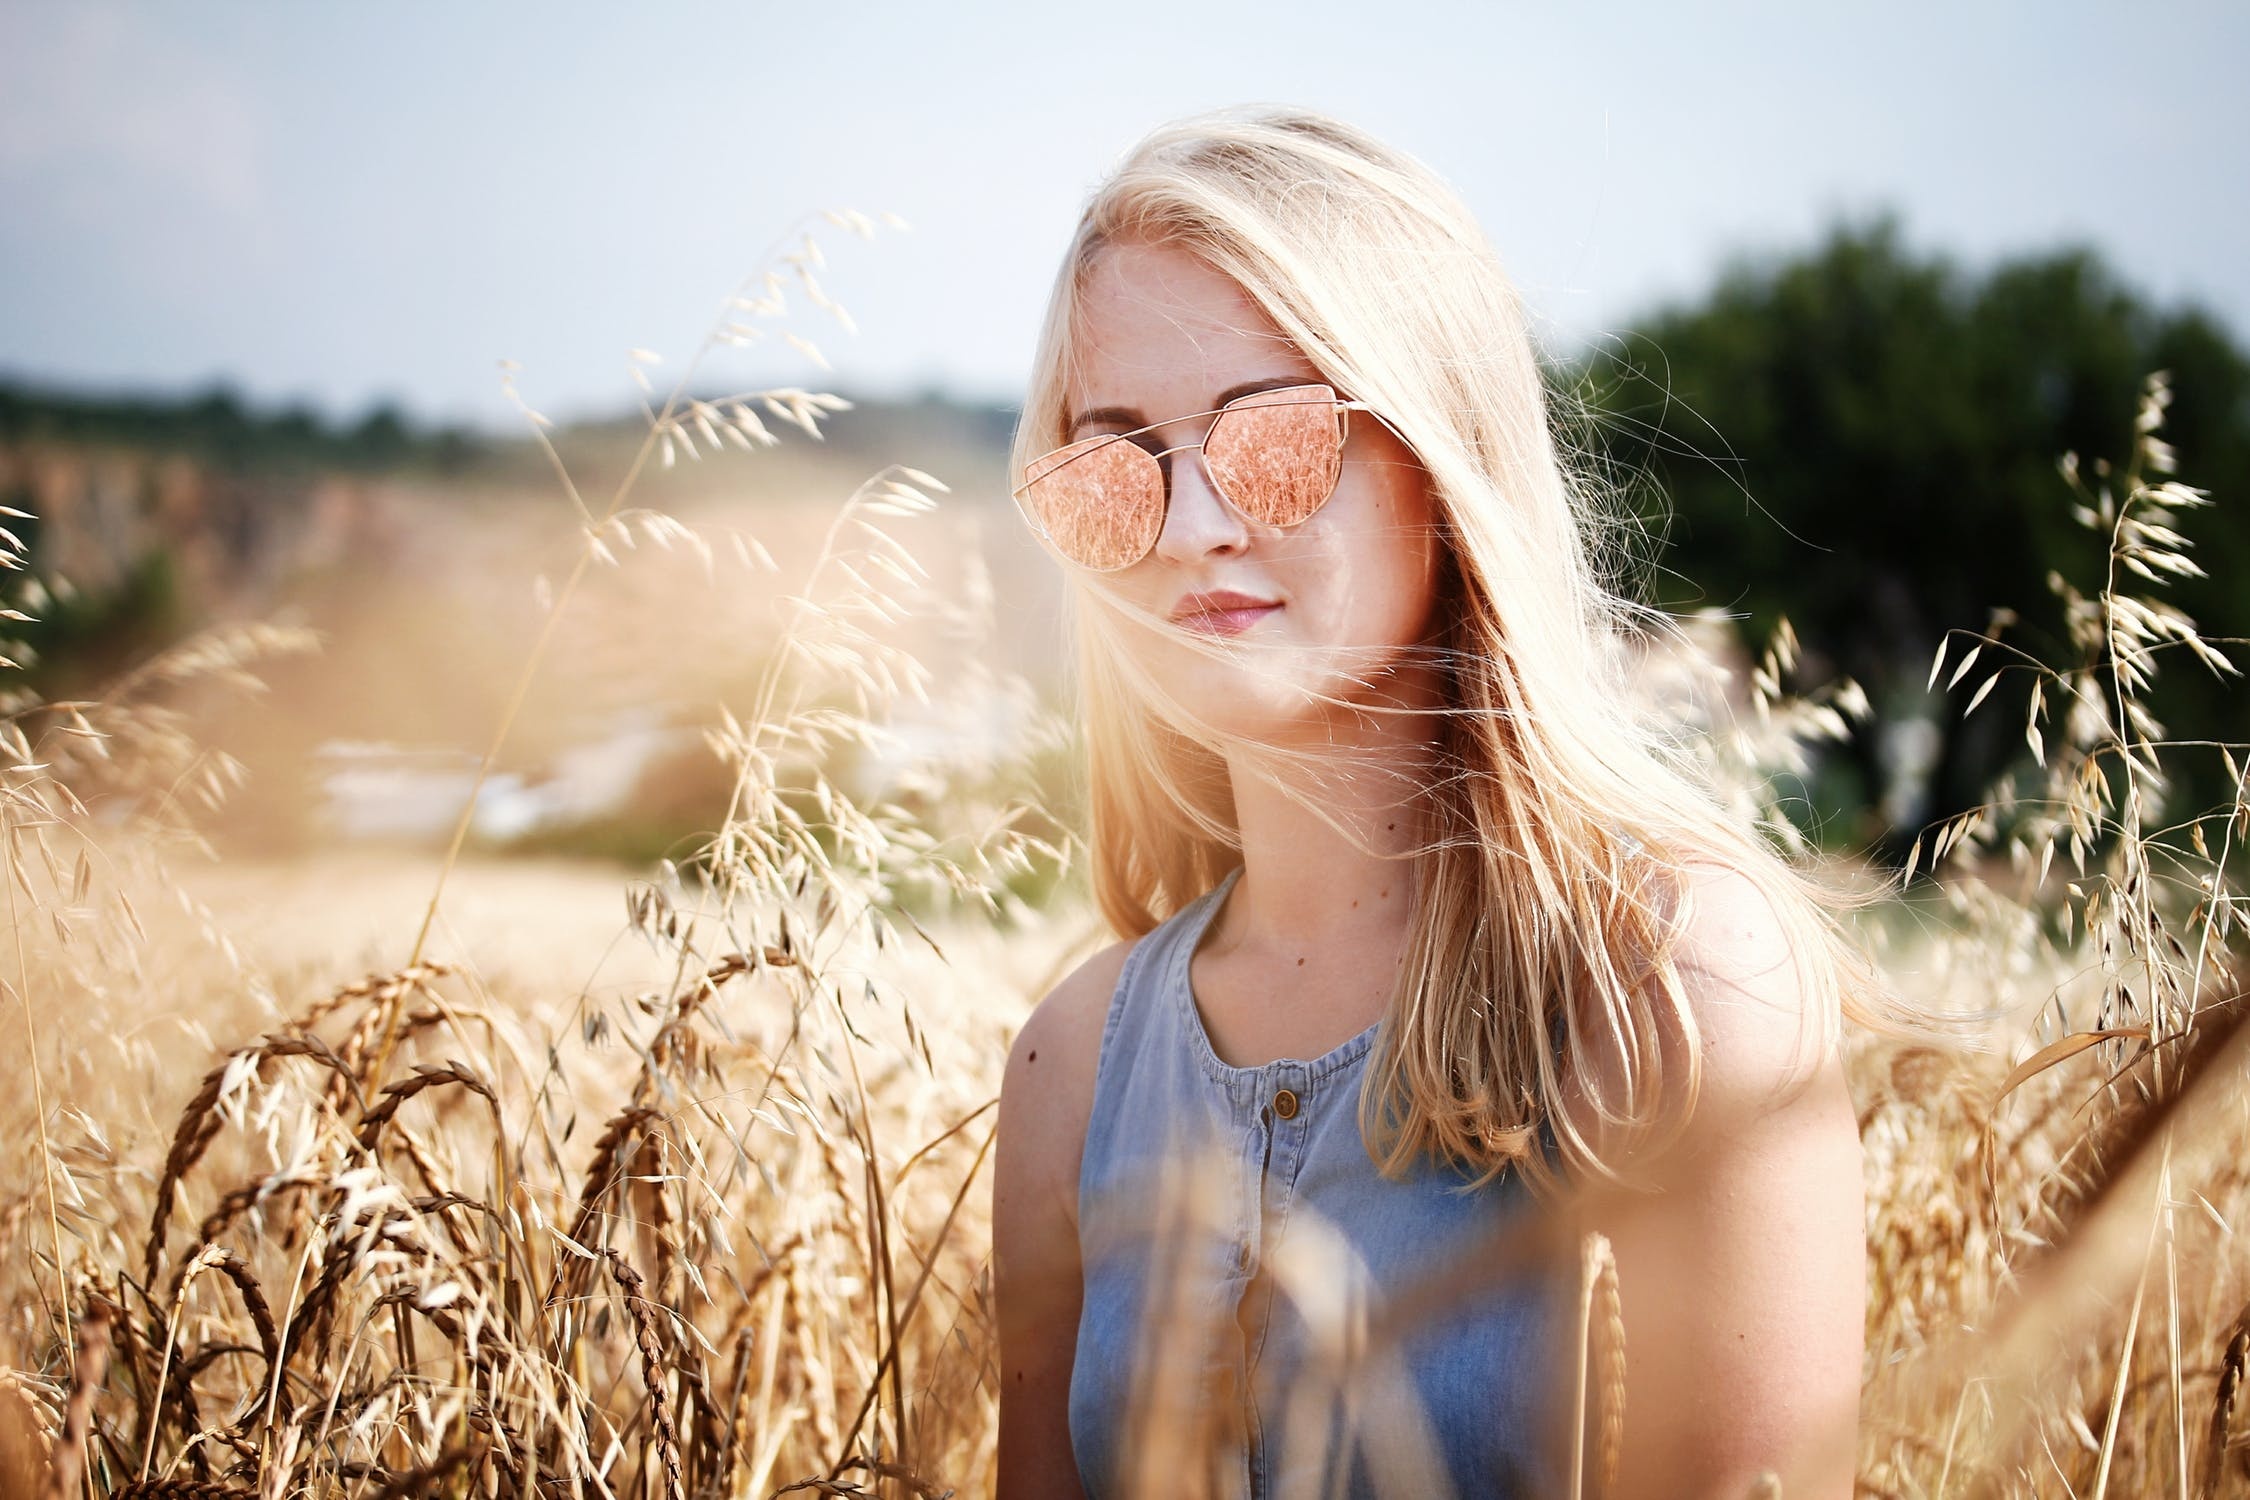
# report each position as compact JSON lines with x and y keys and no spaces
{"x":1047,"y":1090}
{"x":1063,"y":1034}
{"x":1743,"y":979}
{"x":1739,"y":1005}
{"x":1774,"y":1319}
{"x":1759,"y":1038}
{"x":1061,"y":1040}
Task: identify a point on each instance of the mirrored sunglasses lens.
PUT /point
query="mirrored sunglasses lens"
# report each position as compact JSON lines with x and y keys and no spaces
{"x":1101,"y":501}
{"x":1278,"y":458}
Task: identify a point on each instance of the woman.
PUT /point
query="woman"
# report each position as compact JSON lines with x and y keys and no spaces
{"x":1426,"y":935}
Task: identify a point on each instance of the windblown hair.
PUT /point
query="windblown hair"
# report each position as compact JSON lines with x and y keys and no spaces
{"x":1550,"y":890}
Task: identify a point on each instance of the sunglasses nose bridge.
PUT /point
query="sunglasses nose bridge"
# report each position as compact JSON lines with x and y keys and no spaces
{"x":1195,"y":523}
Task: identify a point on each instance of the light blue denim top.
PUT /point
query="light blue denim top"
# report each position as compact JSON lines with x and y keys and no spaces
{"x":1481,"y":1374}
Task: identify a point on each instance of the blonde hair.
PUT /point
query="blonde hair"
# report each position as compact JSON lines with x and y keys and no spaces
{"x":1552,"y":896}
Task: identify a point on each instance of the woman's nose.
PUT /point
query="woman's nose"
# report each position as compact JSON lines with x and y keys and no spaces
{"x":1198,"y":521}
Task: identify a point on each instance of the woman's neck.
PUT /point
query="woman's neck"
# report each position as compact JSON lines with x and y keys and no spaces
{"x":1304,"y":880}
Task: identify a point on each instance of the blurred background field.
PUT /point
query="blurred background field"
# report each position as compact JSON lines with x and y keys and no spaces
{"x":1852,"y":437}
{"x":689,"y":1072}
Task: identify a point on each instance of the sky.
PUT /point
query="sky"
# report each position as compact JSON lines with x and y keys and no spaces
{"x":341,"y":204}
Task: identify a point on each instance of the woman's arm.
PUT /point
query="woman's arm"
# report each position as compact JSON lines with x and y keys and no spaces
{"x":1743,"y":1281}
{"x":1046,"y":1097}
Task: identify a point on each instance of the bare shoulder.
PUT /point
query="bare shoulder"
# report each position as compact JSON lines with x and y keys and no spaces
{"x":1761,"y":1040}
{"x":1070,"y":1017}
{"x":1046,"y":1097}
{"x":1047,"y":1091}
{"x":1742,"y":1010}
{"x":1746,"y":1343}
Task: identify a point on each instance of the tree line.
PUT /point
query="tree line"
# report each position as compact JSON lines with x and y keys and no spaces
{"x":1865,"y":440}
{"x":217,"y":427}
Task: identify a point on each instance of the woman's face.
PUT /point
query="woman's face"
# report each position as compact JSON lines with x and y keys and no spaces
{"x":1161,"y":335}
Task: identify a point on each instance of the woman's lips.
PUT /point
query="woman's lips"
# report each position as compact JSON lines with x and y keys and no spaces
{"x":1226,"y":621}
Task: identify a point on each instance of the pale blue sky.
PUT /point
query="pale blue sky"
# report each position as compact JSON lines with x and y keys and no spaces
{"x":340,"y":202}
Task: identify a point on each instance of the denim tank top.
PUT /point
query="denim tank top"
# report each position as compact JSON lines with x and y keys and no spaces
{"x":1467,"y":1399}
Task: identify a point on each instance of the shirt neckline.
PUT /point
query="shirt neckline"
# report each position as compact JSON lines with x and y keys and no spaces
{"x":1336,"y":1058}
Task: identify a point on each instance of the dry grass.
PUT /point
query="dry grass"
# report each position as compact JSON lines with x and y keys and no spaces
{"x":719,"y":1228}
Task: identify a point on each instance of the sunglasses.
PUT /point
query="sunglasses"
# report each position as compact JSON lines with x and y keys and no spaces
{"x":1275,"y":456}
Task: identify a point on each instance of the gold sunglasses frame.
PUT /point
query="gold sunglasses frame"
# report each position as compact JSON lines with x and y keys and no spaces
{"x":1250,"y":400}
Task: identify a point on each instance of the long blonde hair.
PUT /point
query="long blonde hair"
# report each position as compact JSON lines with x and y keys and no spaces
{"x":1549,"y":903}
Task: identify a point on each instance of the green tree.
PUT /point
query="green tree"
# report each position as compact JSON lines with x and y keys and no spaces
{"x":1865,"y":440}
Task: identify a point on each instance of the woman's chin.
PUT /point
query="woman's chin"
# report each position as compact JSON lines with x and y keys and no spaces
{"x":1249,"y":706}
{"x":1263,"y":692}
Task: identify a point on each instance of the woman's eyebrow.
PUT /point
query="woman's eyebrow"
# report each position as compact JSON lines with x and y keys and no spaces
{"x":1130,"y":419}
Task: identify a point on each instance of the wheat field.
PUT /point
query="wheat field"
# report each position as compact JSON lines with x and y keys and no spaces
{"x":385,"y":1177}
